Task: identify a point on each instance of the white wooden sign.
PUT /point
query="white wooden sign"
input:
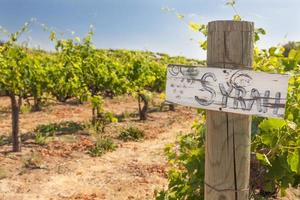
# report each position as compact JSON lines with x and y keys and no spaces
{"x":228,"y":90}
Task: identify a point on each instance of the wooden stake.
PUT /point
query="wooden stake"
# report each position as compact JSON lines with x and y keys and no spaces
{"x":227,"y":156}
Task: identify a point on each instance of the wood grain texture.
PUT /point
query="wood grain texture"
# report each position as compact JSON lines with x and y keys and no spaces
{"x":227,"y":161}
{"x":237,"y":91}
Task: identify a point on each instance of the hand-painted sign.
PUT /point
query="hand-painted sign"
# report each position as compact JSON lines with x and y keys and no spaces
{"x":228,"y":90}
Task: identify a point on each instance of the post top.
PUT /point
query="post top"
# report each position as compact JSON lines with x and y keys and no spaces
{"x":230,"y":25}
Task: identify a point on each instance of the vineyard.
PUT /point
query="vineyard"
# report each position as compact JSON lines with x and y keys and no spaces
{"x":66,"y":107}
{"x":77,"y":70}
{"x":87,"y":123}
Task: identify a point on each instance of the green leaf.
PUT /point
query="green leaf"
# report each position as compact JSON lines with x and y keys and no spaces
{"x":77,"y":39}
{"x":269,"y":187}
{"x":271,"y":124}
{"x":203,"y":44}
{"x":292,"y":125}
{"x":260,"y":31}
{"x":237,"y":18}
{"x":179,"y":16}
{"x":230,"y":2}
{"x":263,"y":158}
{"x":52,"y":36}
{"x":294,"y":161}
{"x":292,"y":54}
{"x":268,"y":139}
{"x":194,"y":26}
{"x":278,"y":171}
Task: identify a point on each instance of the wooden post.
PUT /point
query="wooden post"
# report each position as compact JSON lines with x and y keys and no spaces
{"x":227,"y":156}
{"x":16,"y":139}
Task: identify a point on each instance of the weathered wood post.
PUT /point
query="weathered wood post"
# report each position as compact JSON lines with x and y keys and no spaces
{"x":228,"y":84}
{"x":227,"y":161}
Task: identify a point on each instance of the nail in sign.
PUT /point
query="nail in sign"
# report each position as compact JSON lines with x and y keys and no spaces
{"x":228,"y":90}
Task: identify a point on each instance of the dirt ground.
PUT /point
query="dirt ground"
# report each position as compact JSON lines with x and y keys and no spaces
{"x":133,"y":171}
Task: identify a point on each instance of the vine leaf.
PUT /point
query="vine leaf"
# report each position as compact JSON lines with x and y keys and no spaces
{"x":237,"y":18}
{"x":263,"y":158}
{"x":294,"y":161}
{"x":271,"y":124}
{"x":194,"y":26}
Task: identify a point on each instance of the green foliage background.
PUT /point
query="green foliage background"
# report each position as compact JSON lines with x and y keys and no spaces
{"x":275,"y":149}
